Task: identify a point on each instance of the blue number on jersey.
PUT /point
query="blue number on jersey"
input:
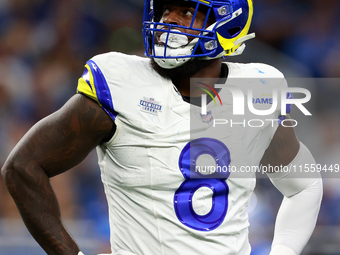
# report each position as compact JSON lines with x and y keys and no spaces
{"x":195,"y":180}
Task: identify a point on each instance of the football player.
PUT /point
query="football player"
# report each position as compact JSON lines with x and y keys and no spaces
{"x":149,"y":136}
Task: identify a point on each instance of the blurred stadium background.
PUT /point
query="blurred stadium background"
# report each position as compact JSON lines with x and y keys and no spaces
{"x":44,"y":45}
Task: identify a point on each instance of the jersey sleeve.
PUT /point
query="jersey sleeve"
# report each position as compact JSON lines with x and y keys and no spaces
{"x":93,"y":84}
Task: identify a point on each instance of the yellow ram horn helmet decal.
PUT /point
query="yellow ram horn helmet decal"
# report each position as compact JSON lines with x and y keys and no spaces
{"x":229,"y":44}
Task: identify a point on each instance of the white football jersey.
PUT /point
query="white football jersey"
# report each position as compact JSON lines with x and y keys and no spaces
{"x":158,"y":202}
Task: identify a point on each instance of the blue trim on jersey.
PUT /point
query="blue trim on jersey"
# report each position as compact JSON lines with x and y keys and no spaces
{"x":86,"y":71}
{"x":102,"y":89}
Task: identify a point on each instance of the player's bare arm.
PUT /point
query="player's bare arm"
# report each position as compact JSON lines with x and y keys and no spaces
{"x":54,"y":145}
{"x":283,"y":147}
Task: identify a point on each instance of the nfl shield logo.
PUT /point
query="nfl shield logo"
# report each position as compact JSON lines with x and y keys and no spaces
{"x":207,"y":118}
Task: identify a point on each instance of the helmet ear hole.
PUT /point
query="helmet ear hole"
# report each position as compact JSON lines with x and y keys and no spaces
{"x":234,"y":30}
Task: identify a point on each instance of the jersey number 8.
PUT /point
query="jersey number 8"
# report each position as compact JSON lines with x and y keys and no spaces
{"x":194,"y":180}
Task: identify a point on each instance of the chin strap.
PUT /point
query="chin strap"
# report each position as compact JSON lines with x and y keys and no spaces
{"x":171,"y":51}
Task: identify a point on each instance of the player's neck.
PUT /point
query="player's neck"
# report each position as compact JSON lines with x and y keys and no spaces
{"x":207,"y":74}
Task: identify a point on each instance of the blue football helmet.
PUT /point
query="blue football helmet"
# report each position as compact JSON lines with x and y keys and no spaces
{"x":225,"y":37}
